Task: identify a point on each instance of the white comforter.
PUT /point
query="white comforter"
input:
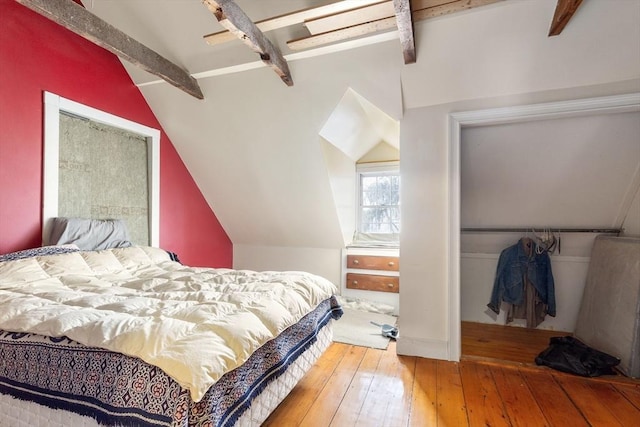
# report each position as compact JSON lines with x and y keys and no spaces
{"x":194,"y":323}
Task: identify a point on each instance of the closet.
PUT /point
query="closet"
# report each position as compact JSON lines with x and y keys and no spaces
{"x":572,"y":177}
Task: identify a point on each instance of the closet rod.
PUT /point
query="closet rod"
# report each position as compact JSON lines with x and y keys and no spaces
{"x":556,"y":230}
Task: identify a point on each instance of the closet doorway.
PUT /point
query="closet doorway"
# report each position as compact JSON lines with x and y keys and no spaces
{"x":509,"y":147}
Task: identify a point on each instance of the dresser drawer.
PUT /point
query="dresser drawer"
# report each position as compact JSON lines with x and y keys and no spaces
{"x":372,"y":262}
{"x":373,"y":282}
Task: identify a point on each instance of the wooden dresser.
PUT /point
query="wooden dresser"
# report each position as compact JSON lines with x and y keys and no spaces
{"x":373,"y":273}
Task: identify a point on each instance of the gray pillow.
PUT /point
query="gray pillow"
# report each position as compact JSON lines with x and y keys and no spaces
{"x":90,"y":234}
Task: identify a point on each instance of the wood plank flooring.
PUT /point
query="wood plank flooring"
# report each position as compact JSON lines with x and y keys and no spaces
{"x":357,"y":386}
{"x":502,"y":342}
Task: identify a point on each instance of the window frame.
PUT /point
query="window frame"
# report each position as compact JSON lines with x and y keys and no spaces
{"x":372,"y":169}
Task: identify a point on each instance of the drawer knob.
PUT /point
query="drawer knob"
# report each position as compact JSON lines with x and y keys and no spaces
{"x":391,"y":263}
{"x":356,"y":262}
{"x":355,"y":282}
{"x":390,"y":285}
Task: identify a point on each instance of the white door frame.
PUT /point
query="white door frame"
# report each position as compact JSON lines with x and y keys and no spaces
{"x":524,"y":113}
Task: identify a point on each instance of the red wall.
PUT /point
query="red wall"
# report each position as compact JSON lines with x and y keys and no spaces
{"x":37,"y":55}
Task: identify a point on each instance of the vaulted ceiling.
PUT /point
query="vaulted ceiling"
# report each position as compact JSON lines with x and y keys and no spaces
{"x":324,"y":24}
{"x":254,"y":144}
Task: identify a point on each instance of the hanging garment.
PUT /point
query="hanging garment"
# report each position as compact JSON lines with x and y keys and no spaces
{"x":532,"y":309}
{"x":524,"y":280}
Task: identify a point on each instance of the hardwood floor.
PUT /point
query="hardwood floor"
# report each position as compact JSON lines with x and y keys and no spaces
{"x":504,"y":342}
{"x":357,"y":386}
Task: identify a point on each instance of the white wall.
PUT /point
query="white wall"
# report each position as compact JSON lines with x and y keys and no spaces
{"x":477,"y":273}
{"x":323,"y":262}
{"x":503,"y":49}
{"x":561,"y":172}
{"x":342,"y":176}
{"x":258,"y":159}
{"x":424,"y":299}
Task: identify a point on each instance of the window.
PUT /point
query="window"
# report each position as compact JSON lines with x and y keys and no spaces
{"x":379,"y":199}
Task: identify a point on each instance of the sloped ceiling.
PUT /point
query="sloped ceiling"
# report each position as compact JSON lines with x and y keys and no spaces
{"x":356,"y":126}
{"x":175,"y":29}
{"x":254,"y":147}
{"x":562,"y":173}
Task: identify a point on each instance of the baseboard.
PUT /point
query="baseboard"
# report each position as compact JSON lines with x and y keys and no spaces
{"x":431,"y":349}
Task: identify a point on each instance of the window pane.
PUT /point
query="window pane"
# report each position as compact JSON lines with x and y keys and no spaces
{"x":369,"y":198}
{"x":368,"y":183}
{"x":380,"y":203}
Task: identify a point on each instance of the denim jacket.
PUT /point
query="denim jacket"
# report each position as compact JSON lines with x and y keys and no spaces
{"x":513,"y":264}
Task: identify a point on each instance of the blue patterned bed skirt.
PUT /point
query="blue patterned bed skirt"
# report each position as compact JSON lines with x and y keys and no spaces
{"x":120,"y":390}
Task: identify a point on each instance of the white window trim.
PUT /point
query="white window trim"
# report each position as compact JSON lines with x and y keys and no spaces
{"x":53,"y":106}
{"x":370,"y":169}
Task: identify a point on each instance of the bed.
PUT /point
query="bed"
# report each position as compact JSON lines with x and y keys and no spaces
{"x":129,"y":336}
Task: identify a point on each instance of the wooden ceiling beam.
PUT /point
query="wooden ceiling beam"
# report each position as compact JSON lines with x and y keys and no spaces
{"x":343,"y":34}
{"x":230,"y":16}
{"x":565,"y":9}
{"x":293,"y":18}
{"x":363,"y":14}
{"x":405,"y":30}
{"x":351,"y":17}
{"x":439,"y":8}
{"x":373,"y":12}
{"x":76,"y":18}
{"x":448,"y":8}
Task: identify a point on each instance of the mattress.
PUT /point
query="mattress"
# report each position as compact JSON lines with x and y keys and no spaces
{"x":22,"y":413}
{"x":609,"y":316}
{"x":193,"y":323}
{"x":129,"y":337}
{"x":115,"y":388}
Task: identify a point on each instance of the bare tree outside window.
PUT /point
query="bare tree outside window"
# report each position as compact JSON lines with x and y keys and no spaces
{"x":380,"y":202}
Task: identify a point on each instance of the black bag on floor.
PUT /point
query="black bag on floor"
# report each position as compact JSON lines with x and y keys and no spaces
{"x":568,"y":354}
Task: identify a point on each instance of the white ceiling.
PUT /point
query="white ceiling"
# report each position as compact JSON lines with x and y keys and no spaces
{"x":570,"y":172}
{"x":175,"y":29}
{"x":253,"y":144}
{"x":356,"y":126}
